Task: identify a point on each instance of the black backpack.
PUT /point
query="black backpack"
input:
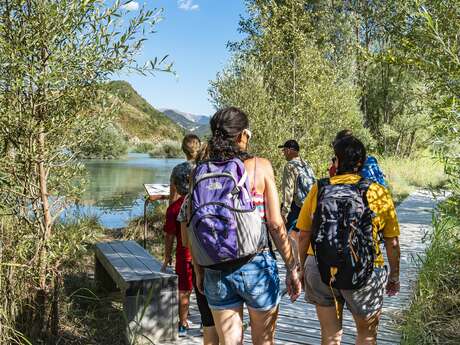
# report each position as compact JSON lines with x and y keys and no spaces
{"x":342,"y":237}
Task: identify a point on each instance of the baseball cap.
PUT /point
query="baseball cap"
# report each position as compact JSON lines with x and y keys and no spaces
{"x":290,"y":144}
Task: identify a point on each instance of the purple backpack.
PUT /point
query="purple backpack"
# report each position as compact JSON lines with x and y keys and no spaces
{"x":224,"y":224}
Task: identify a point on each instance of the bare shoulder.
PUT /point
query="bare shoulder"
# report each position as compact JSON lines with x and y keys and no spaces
{"x":262,"y":163}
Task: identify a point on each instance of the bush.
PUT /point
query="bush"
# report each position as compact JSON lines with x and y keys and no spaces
{"x":71,"y":242}
{"x":433,"y":314}
{"x":167,"y":149}
{"x":143,"y":147}
{"x":107,"y":143}
{"x":155,"y":220}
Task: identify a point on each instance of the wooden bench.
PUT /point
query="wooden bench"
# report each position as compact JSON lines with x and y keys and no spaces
{"x":150,"y":297}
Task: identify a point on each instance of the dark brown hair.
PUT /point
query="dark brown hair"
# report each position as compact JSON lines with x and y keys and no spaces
{"x":226,"y":125}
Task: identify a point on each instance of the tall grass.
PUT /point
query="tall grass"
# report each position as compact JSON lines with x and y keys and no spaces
{"x":434,"y":314}
{"x":68,"y":247}
{"x":404,"y":175}
{"x":155,"y":236}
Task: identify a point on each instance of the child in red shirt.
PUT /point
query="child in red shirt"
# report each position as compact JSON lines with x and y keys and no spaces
{"x":183,"y":261}
{"x":184,"y":268}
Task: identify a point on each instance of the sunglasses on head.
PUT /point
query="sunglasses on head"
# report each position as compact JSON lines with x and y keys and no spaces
{"x":248,"y":133}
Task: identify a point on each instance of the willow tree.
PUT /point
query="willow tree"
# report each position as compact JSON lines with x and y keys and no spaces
{"x":288,"y":83}
{"x":430,"y":41}
{"x":54,"y":57}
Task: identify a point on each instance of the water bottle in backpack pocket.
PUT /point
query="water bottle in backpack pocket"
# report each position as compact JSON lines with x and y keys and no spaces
{"x":342,"y":238}
{"x":224,"y":224}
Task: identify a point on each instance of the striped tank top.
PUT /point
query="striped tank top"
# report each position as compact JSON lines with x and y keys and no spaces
{"x":258,"y":198}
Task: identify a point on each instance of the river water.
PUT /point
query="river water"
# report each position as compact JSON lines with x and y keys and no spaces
{"x":115,"y":190}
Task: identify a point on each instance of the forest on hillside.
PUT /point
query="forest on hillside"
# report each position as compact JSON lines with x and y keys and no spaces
{"x":389,"y":71}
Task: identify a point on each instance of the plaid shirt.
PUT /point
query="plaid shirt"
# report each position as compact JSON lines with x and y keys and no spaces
{"x":288,"y":185}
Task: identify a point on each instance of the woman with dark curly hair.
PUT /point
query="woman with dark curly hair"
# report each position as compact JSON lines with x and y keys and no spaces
{"x":232,"y":281}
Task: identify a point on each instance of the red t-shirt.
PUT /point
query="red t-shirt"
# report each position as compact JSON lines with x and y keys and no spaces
{"x":172,"y":226}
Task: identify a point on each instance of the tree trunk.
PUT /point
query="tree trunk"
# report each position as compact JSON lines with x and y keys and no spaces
{"x":41,"y":298}
{"x":45,"y":209}
{"x":411,"y":144}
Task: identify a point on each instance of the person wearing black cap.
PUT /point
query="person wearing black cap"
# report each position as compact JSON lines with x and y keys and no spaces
{"x":298,"y":178}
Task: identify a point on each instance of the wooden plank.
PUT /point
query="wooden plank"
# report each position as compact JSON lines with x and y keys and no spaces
{"x":153,"y":264}
{"x":133,"y":268}
{"x":148,"y":270}
{"x":131,"y":261}
{"x":112,"y":263}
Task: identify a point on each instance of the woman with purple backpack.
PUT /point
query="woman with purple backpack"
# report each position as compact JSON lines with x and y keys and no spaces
{"x":233,"y":204}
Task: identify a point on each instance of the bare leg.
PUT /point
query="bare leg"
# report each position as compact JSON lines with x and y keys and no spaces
{"x":367,"y":329}
{"x":263,"y":325}
{"x":184,"y":302}
{"x":210,"y":336}
{"x":331,"y":327}
{"x":229,"y":325}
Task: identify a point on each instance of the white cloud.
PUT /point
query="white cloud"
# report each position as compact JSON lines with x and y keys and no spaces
{"x":131,"y":6}
{"x":187,"y":5}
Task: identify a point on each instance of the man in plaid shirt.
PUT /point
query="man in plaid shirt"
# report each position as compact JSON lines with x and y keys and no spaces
{"x":298,"y":178}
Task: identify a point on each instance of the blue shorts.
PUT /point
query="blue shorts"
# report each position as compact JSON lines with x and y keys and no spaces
{"x":256,"y":283}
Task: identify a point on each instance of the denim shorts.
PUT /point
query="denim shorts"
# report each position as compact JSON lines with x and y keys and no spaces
{"x":256,"y":283}
{"x":365,"y":302}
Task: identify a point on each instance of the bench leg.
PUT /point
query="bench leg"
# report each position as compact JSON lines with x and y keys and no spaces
{"x":150,"y":321}
{"x":102,"y":278}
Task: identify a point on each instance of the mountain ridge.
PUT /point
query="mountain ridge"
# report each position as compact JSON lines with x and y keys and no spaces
{"x":197,"y":118}
{"x":138,"y":120}
{"x":191,"y":123}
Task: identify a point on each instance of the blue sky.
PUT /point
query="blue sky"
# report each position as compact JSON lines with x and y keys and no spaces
{"x":194,"y":34}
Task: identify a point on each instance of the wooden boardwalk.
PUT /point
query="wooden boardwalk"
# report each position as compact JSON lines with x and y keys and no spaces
{"x":297,"y":322}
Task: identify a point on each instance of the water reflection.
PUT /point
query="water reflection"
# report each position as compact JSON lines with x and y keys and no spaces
{"x":115,"y":188}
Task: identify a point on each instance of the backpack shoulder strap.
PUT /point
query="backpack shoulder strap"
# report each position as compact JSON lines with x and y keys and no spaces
{"x":315,"y":223}
{"x":321,"y":184}
{"x":363,"y":186}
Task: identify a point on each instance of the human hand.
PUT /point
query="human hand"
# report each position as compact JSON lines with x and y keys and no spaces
{"x":302,"y":278}
{"x":393,"y":286}
{"x":157,"y":197}
{"x":293,"y":285}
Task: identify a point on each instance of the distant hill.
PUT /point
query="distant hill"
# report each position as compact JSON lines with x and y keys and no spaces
{"x":140,"y":121}
{"x":198,"y":124}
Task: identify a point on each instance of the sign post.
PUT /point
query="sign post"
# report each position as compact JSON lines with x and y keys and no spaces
{"x":155,"y":192}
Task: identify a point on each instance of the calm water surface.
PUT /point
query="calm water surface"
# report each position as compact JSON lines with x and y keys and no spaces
{"x":115,"y":190}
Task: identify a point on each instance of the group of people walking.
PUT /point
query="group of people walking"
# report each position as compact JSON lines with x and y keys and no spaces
{"x":226,"y":216}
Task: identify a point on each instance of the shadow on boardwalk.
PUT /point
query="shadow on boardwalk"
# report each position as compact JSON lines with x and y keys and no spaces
{"x":297,"y":323}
